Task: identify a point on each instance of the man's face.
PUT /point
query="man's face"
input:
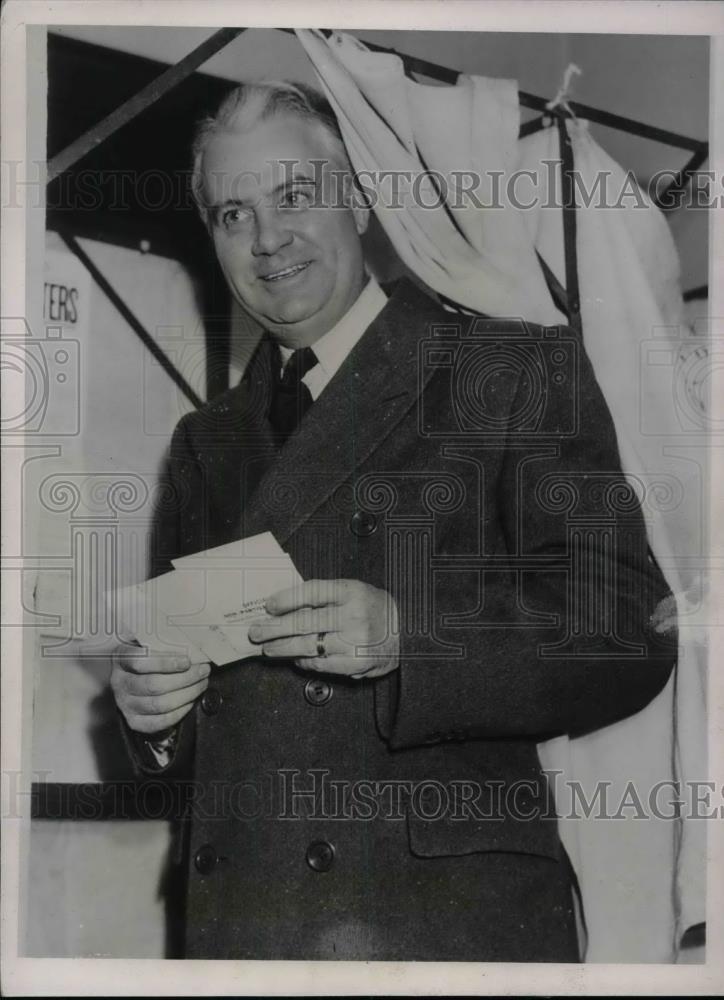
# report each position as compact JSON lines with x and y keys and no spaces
{"x":289,"y":249}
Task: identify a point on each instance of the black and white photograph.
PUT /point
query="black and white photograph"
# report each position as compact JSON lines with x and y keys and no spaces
{"x":360,"y":541}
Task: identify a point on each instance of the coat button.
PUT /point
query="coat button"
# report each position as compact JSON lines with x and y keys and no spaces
{"x":362,"y":523}
{"x":317,"y":691}
{"x":320,"y":855}
{"x":211,"y":701}
{"x":205,"y":859}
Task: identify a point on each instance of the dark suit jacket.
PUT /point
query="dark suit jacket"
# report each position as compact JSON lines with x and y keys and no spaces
{"x":469,"y":466}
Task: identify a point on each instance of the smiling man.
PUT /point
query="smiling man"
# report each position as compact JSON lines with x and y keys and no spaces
{"x":296,"y":270}
{"x":368,"y":786}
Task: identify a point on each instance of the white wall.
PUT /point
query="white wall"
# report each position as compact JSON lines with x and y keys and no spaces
{"x":100,"y":485}
{"x":93,"y":887}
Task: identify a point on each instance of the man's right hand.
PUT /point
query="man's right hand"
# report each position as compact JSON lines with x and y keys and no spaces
{"x":153,"y":690}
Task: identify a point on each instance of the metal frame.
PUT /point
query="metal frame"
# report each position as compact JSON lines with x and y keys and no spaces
{"x":147,"y":96}
{"x":174,"y":75}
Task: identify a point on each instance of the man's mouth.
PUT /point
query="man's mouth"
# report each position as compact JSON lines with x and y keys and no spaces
{"x":286,"y":272}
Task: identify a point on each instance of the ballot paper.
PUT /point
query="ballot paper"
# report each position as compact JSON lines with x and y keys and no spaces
{"x":203,"y":608}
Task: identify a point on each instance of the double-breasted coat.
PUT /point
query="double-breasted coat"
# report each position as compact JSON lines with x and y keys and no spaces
{"x":469,"y":466}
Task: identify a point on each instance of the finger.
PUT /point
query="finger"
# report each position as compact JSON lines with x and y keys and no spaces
{"x":302,"y":646}
{"x":303,"y":621}
{"x":338,"y":664}
{"x":162,"y":704}
{"x":148,"y":661}
{"x":143,"y":685}
{"x":312,"y":594}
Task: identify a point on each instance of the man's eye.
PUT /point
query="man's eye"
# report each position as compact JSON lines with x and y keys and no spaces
{"x":296,"y":199}
{"x":233,"y":217}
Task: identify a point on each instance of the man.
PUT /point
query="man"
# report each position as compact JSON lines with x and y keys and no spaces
{"x":477,"y":580}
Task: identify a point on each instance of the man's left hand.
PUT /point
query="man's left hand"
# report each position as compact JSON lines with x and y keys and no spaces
{"x":332,"y":626}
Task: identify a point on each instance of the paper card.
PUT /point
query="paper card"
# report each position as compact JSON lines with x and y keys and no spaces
{"x":207,"y":603}
{"x":137,"y":615}
{"x":230,"y":584}
{"x":256,"y":551}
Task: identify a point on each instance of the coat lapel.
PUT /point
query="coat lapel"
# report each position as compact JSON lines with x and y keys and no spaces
{"x":366,"y":399}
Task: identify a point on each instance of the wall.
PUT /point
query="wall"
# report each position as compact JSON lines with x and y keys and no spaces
{"x":93,"y":886}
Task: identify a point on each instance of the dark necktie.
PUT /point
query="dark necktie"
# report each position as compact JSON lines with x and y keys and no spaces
{"x":292,"y":398}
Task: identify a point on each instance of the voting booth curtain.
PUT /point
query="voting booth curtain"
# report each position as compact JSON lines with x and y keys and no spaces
{"x":642,"y":883}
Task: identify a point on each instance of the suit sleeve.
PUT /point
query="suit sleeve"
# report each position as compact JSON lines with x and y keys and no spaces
{"x":557,"y":636}
{"x":177,"y":762}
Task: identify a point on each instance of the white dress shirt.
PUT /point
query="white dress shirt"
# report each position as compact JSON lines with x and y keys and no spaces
{"x":333,"y":347}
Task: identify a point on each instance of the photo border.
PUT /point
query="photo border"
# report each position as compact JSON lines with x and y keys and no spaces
{"x":20,"y":242}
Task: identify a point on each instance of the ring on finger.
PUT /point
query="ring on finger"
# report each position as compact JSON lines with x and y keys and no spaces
{"x":321,"y":648}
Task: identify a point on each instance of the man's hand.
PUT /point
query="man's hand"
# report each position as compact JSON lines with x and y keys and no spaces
{"x":154,"y":691}
{"x":359,"y":624}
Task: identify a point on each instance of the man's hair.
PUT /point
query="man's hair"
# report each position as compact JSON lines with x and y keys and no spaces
{"x":251,"y":103}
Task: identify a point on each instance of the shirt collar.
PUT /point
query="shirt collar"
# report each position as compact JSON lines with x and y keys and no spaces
{"x":333,"y":347}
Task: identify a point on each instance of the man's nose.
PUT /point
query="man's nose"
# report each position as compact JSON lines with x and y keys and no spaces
{"x":272,"y":233}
